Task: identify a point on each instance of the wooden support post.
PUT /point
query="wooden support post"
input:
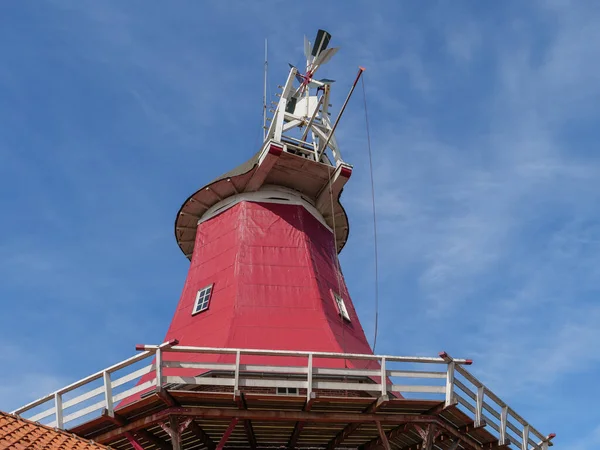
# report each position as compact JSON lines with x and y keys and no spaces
{"x":175,"y":434}
{"x":382,"y":436}
{"x":108,"y":393}
{"x":174,"y":429}
{"x":227,"y":433}
{"x":58,"y":411}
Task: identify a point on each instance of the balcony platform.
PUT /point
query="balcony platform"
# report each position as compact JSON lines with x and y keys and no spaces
{"x":233,"y":398}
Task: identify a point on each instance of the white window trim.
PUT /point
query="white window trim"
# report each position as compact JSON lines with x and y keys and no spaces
{"x":287,"y":391}
{"x":200,"y":295}
{"x":266,"y":194}
{"x":340,"y":304}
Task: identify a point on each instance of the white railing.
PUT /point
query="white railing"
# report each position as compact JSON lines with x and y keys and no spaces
{"x":101,"y":392}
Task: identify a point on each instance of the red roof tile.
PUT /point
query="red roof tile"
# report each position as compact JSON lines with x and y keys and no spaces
{"x":21,"y":434}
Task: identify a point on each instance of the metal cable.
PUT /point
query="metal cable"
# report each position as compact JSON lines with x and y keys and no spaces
{"x":374,"y":215}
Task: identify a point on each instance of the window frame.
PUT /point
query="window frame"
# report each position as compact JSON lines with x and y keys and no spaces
{"x":206,"y":298}
{"x":287,"y":391}
{"x":340,"y":305}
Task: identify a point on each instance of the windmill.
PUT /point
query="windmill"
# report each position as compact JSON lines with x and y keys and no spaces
{"x":265,"y":348}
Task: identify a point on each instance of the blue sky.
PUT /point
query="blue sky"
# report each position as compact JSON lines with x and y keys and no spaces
{"x":485,"y":152}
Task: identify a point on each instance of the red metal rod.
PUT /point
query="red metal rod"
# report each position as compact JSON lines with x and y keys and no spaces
{"x":335,"y":124}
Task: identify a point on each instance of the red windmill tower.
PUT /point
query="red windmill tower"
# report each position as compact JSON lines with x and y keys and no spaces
{"x":265,"y":348}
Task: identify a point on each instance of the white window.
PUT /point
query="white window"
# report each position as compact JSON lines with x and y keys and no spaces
{"x":202,"y":299}
{"x":287,"y":391}
{"x":341,"y":306}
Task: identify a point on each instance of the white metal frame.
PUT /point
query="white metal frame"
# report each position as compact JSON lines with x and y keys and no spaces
{"x":203,"y":299}
{"x":340,"y":304}
{"x":455,"y":385}
{"x":311,"y":113}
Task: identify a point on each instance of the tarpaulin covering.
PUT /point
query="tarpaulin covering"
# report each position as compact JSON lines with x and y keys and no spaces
{"x":274,"y":271}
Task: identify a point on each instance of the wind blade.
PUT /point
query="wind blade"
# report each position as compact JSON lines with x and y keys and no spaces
{"x":321,"y":42}
{"x":325,"y":56}
{"x":307,"y":48}
{"x":326,"y":81}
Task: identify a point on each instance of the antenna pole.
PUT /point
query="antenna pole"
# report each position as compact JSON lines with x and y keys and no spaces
{"x":265,"y":95}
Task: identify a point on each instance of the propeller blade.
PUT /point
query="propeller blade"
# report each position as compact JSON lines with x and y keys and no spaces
{"x":306,"y":48}
{"x":321,"y":42}
{"x":325,"y":56}
{"x":326,"y":81}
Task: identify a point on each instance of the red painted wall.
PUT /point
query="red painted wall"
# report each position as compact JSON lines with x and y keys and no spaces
{"x":274,"y":269}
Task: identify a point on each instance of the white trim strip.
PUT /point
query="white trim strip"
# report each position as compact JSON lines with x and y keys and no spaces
{"x":267,"y":194}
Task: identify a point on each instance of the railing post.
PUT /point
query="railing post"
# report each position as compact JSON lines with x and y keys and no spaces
{"x":236,"y":375}
{"x":479,"y":406}
{"x":309,"y":377}
{"x":58,"y":410}
{"x":503,"y":420}
{"x":450,"y":383}
{"x":383,"y":377}
{"x":108,"y":394}
{"x":159,"y":375}
{"x":525,"y":443}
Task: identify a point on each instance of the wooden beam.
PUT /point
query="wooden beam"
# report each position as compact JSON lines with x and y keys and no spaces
{"x":436,"y":410}
{"x":202,"y":436}
{"x":352,"y":427}
{"x":152,"y":439}
{"x":300,"y":424}
{"x":114,"y":418}
{"x":241,"y":402}
{"x":428,"y":434}
{"x":471,"y":427}
{"x":392,"y":434}
{"x":134,"y":443}
{"x":454,"y":444}
{"x":495,"y":445}
{"x":143,"y":434}
{"x":167,"y":398}
{"x":383,"y":437}
{"x":227,"y":433}
{"x":282,"y":415}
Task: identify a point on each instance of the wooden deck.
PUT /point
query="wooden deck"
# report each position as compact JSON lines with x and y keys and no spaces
{"x":175,"y":397}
